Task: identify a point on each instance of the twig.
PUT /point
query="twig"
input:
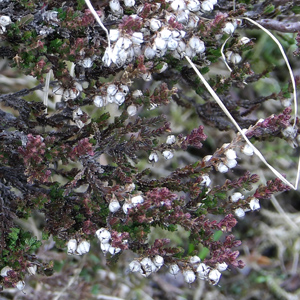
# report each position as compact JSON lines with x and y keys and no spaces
{"x":280,"y":26}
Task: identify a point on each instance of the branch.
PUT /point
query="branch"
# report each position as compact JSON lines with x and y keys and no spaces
{"x":280,"y":26}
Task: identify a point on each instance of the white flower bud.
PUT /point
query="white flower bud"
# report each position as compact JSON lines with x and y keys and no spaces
{"x":203,"y":270}
{"x":195,"y":259}
{"x":86,"y":62}
{"x":172,"y":44}
{"x":175,"y":34}
{"x":214,"y":276}
{"x":236,"y":197}
{"x":129,"y":3}
{"x":131,"y":110}
{"x":112,"y":90}
{"x":114,"y":206}
{"x":239,"y":212}
{"x":171,"y":139}
{"x":126,"y":206}
{"x":222,"y":168}
{"x":178,"y":5}
{"x":137,"y":93}
{"x":189,"y":276}
{"x":148,"y":266}
{"x":72,"y":246}
{"x":160,"y":43}
{"x":193,"y":22}
{"x":113,"y":250}
{"x":213,"y":2}
{"x":207,"y":158}
{"x":32,"y":269}
{"x":182,"y":16}
{"x":147,"y":76}
{"x":20,"y":285}
{"x":290,"y":132}
{"x":155,"y":24}
{"x":206,"y":180}
{"x":104,"y":247}
{"x":181,"y":47}
{"x":196,"y":44}
{"x":222,"y":266}
{"x":193,"y":5}
{"x":190,"y":52}
{"x":149,"y":53}
{"x":158,"y":261}
{"x":114,"y":34}
{"x":153,"y":157}
{"x":174,"y":269}
{"x":207,"y":6}
{"x":230,"y":154}
{"x":115,"y":6}
{"x":235,"y":58}
{"x":137,"y":38}
{"x":167,"y":154}
{"x":83,"y":247}
{"x":254,"y":204}
{"x":135,"y":266}
{"x":137,"y":200}
{"x":231,"y":163}
{"x":119,"y":98}
{"x":5,"y":270}
{"x":165,"y":34}
{"x":229,"y":28}
{"x":5,"y":21}
{"x":247,"y":149}
{"x":244,"y":40}
{"x":103,"y":235}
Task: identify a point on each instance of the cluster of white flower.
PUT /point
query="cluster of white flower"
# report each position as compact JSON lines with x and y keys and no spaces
{"x":203,"y":271}
{"x":167,"y":154}
{"x":240,"y":212}
{"x":147,"y":266}
{"x":20,"y":285}
{"x":76,"y":248}
{"x":70,"y":93}
{"x":4,"y":21}
{"x":114,"y":94}
{"x":104,"y":237}
{"x":132,"y":202}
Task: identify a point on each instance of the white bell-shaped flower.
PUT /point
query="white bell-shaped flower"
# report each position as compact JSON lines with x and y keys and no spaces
{"x":189,"y":276}
{"x":222,"y":168}
{"x":5,"y":270}
{"x":229,"y":28}
{"x":158,"y":261}
{"x":104,"y":247}
{"x":32,"y":269}
{"x":137,"y":200}
{"x":160,"y":43}
{"x":165,"y":34}
{"x":172,"y":44}
{"x":126,"y":206}
{"x":222,"y":266}
{"x":114,"y":206}
{"x":135,"y":266}
{"x":207,"y":6}
{"x":149,"y":53}
{"x":113,"y":250}
{"x":231,"y":163}
{"x":239,"y":212}
{"x":147,"y":76}
{"x":214,"y":276}
{"x":129,"y":3}
{"x":148,"y":266}
{"x":72,"y":246}
{"x":83,"y":247}
{"x":182,"y":16}
{"x":20,"y":285}
{"x":137,"y":38}
{"x":5,"y":21}
{"x":103,"y":235}
{"x":154,"y":24}
{"x":112,"y":89}
{"x":99,"y":101}
{"x":178,"y":5}
{"x":174,"y":269}
{"x":153,"y":157}
{"x":203,"y":271}
{"x":193,"y":5}
{"x":254,"y":204}
{"x":195,"y":259}
{"x":230,"y":154}
{"x":206,"y":180}
{"x":131,"y":110}
{"x":119,"y":98}
{"x":247,"y":149}
{"x":167,"y":154}
{"x":236,"y":197}
{"x":171,"y":139}
{"x":114,"y":34}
